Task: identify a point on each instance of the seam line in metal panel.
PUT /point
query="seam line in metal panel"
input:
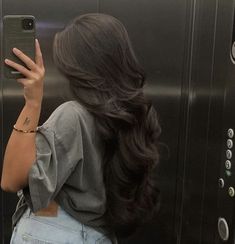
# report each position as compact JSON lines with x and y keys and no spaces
{"x":188,"y":104}
{"x":208,"y":119}
{"x":189,"y":76}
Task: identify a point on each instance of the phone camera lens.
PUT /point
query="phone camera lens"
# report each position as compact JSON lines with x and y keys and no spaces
{"x":28,"y":24}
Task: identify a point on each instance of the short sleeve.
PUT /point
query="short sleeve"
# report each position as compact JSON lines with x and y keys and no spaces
{"x":59,"y":149}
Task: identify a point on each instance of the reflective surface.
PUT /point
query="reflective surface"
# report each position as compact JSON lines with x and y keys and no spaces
{"x":184,"y":46}
{"x":158,"y":32}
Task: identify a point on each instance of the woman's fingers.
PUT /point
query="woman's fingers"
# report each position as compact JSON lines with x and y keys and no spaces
{"x":36,"y":70}
{"x":19,"y":68}
{"x":28,"y":61}
{"x":34,"y":73}
{"x":38,"y":57}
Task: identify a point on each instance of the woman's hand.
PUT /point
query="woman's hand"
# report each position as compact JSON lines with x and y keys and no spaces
{"x":20,"y":152}
{"x":34,"y":75}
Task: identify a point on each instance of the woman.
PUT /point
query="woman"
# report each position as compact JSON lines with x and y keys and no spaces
{"x":86,"y":173}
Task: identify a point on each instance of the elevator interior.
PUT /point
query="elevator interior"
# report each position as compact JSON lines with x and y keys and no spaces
{"x":186,"y":48}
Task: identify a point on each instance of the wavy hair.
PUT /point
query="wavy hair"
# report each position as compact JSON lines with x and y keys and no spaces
{"x":95,"y":53}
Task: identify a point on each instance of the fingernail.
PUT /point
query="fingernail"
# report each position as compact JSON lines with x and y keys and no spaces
{"x":6,"y":60}
{"x":15,"y":50}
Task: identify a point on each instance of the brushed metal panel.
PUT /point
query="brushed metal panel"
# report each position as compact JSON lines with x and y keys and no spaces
{"x":158,"y":30}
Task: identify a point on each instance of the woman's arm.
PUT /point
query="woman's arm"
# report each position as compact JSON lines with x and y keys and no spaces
{"x":20,"y":152}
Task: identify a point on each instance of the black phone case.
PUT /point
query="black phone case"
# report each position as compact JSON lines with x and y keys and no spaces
{"x":14,"y":35}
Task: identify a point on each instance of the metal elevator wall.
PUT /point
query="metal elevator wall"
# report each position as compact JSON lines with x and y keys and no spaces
{"x":184,"y":46}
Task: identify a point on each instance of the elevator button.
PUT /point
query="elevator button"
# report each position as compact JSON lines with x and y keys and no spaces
{"x":233,"y":50}
{"x":223,"y":229}
{"x":228,"y":164}
{"x":231,"y":191}
{"x":221,"y":183}
{"x":229,"y":143}
{"x":229,"y":154}
{"x":230,"y":133}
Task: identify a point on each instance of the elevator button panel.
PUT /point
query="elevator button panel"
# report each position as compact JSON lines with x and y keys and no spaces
{"x":226,"y":187}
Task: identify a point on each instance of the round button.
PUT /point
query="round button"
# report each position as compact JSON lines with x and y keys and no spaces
{"x":229,"y":143}
{"x":229,"y":154}
{"x":231,"y":191}
{"x":233,"y":50}
{"x":223,"y":229}
{"x":228,"y":173}
{"x":230,"y":133}
{"x":228,"y":164}
{"x":221,"y":183}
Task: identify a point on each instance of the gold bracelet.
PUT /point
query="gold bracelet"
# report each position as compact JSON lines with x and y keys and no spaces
{"x":24,"y":131}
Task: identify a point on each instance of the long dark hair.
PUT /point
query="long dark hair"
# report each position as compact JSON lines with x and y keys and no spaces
{"x":95,"y":53}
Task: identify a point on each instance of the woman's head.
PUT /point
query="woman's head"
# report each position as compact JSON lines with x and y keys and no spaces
{"x":95,"y":54}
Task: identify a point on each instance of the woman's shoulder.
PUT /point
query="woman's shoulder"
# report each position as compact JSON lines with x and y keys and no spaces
{"x":70,"y":108}
{"x":69,"y":113}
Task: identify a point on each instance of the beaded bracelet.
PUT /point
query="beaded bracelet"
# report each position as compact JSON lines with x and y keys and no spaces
{"x":24,"y":131}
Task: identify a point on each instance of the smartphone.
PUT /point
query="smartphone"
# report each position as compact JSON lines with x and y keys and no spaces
{"x":18,"y":31}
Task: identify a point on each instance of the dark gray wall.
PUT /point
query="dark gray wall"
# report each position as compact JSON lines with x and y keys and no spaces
{"x":184,"y":46}
{"x":158,"y":30}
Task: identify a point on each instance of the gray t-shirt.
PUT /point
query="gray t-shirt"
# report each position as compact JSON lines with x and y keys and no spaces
{"x":68,"y":167}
